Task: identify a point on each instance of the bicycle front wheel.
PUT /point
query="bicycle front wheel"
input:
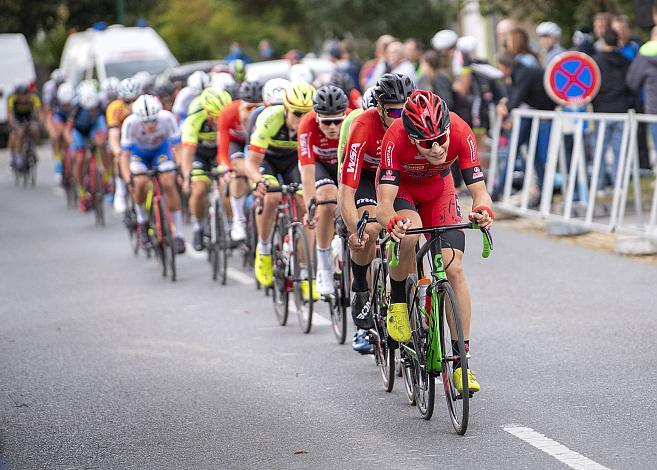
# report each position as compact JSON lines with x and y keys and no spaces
{"x":282,"y":282}
{"x":302,"y":272}
{"x":168,"y":246}
{"x":424,"y":382}
{"x":458,"y":404}
{"x":218,"y":244}
{"x":98,"y":196}
{"x":341,"y":300}
{"x":383,"y":352}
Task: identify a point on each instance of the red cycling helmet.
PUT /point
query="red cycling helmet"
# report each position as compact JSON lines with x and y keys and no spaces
{"x":425,"y":116}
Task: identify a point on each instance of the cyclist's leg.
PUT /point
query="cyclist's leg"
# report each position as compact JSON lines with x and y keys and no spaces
{"x":197,"y":195}
{"x":326,"y":189}
{"x":140,"y":161}
{"x":57,"y":124}
{"x":238,"y":192}
{"x":165,"y":164}
{"x":365,"y":200}
{"x":265,"y":224}
{"x":99,"y":132}
{"x":78,"y":150}
{"x":404,"y":206}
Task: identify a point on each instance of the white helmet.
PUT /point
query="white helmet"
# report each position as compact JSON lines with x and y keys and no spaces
{"x":57,"y":76}
{"x":369,"y":101}
{"x":274,"y":90}
{"x":548,"y":28}
{"x":222,"y":81}
{"x":129,"y":89}
{"x":65,"y":93}
{"x":300,"y":73}
{"x":444,"y":39}
{"x":110,"y":86}
{"x":467,"y":44}
{"x":147,"y":108}
{"x":198,"y":80}
{"x":88,"y":98}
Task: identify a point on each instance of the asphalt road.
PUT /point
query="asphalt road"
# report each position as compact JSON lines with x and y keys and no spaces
{"x":105,"y":365}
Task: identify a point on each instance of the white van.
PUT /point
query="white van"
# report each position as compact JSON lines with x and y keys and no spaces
{"x":117,"y":51}
{"x":16,"y":66}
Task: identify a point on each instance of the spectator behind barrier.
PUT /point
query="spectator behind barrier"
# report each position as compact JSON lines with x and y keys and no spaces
{"x":435,"y":77}
{"x":642,"y":75}
{"x":613,"y":97}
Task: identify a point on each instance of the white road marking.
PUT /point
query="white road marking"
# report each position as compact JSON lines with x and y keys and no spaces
{"x":320,"y":320}
{"x":554,"y":448}
{"x":239,"y":276}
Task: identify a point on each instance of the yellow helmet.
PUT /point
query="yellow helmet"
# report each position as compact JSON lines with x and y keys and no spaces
{"x":299,"y":97}
{"x":214,"y":100}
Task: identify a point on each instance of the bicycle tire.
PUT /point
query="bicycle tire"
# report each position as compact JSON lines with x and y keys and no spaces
{"x":303,"y":307}
{"x":219,"y":258}
{"x":424,"y":382}
{"x":406,"y":369}
{"x":459,"y":416}
{"x":169,"y":246}
{"x":280,"y":265}
{"x":98,"y":196}
{"x":384,"y":354}
{"x":339,"y":302}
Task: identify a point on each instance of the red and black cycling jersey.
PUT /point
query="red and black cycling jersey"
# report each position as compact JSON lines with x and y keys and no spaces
{"x":403,"y":164}
{"x":314,"y":146}
{"x":363,"y":149}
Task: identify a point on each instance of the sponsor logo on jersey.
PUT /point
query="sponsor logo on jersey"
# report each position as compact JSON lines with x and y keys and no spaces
{"x":388,"y":176}
{"x":473,"y":148}
{"x":366,"y":201}
{"x":477,"y":173}
{"x":324,"y":152}
{"x":353,"y":157}
{"x":389,"y":149}
{"x":303,"y":142}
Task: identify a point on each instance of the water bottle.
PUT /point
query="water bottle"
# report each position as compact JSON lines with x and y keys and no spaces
{"x":422,"y":286}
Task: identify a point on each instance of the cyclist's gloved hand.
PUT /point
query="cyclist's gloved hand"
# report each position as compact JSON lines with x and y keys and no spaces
{"x":261,"y":188}
{"x":397,"y":226}
{"x":483,"y":215}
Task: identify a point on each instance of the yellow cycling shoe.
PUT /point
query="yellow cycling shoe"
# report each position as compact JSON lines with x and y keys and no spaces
{"x":263,"y":269}
{"x":473,"y":385}
{"x":399,"y":327}
{"x":303,"y":285}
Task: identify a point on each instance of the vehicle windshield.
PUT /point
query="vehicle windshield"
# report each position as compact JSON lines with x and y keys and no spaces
{"x":128,"y":68}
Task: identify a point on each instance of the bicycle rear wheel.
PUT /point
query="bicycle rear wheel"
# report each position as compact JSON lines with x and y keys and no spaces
{"x":341,"y":300}
{"x":218,"y":255}
{"x":167,"y":238}
{"x":458,"y":405}
{"x":424,"y":383}
{"x":281,"y":285}
{"x":384,"y":353}
{"x":406,"y":366}
{"x":302,"y":271}
{"x":99,"y":195}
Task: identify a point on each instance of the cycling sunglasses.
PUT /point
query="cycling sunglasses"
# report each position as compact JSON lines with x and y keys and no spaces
{"x":328,"y":121}
{"x":299,"y":113}
{"x":394,"y":113}
{"x":440,"y":140}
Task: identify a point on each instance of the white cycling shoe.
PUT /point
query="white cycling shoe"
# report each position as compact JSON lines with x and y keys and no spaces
{"x":325,"y":282}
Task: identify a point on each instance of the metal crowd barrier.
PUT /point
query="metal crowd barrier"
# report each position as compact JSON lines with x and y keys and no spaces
{"x":569,"y":192}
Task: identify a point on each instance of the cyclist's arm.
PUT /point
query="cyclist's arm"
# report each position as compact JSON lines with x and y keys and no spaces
{"x":480,"y":196}
{"x":191,"y":127}
{"x":223,"y":139}
{"x":11,"y":119}
{"x":386,"y":194}
{"x":388,"y":187}
{"x":306,"y":158}
{"x":114,"y":137}
{"x":253,"y":160}
{"x":348,"y":209}
{"x":353,"y":149}
{"x":37,"y":108}
{"x":126,"y":144}
{"x":68,"y":129}
{"x":265,"y":128}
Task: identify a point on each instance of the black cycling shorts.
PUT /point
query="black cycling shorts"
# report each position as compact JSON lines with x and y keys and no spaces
{"x":325,"y":174}
{"x":205,"y":158}
{"x":366,"y":192}
{"x":283,"y":167}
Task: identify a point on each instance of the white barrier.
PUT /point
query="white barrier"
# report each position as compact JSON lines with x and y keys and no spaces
{"x":590,"y":210}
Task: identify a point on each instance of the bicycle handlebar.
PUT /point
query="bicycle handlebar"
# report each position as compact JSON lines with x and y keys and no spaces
{"x":437,"y":231}
{"x":314,"y":203}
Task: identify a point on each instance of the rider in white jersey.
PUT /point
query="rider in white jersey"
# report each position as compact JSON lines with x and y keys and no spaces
{"x":147,"y":137}
{"x":196,"y":83}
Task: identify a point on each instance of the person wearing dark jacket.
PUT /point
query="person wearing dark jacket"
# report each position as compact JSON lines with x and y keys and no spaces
{"x":643,"y":75}
{"x":613,"y":97}
{"x":525,"y":88}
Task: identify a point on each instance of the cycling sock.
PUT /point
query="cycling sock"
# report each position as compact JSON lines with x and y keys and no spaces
{"x":264,"y":248}
{"x":456,"y":349}
{"x":323,"y":258}
{"x":397,"y":291}
{"x":237,"y":205}
{"x":140,"y":209}
{"x":82,"y":192}
{"x":197,"y":224}
{"x":120,"y":186}
{"x":177,"y":221}
{"x":359,"y":283}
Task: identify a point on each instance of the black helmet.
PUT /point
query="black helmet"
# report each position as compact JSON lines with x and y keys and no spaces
{"x":343,"y":81}
{"x":233,"y":89}
{"x":251,"y":91}
{"x":393,"y":88}
{"x":22,"y":89}
{"x":163,"y":87}
{"x":330,"y":100}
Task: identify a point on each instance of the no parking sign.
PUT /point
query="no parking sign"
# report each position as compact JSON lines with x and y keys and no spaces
{"x":572,"y":79}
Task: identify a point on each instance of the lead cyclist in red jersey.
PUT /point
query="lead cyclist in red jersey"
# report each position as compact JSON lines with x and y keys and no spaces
{"x":416,"y":189}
